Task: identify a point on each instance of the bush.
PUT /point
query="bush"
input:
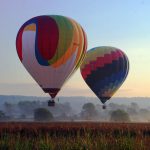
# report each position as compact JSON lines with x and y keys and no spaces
{"x":119,"y":116}
{"x":42,"y":114}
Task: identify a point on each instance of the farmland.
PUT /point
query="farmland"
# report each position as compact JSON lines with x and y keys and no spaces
{"x":74,"y":136}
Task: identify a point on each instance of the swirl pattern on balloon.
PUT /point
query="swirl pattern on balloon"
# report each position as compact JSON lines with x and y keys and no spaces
{"x":51,"y":48}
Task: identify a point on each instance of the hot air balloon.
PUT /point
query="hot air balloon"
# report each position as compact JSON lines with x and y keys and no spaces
{"x":51,"y":49}
{"x":104,"y":69}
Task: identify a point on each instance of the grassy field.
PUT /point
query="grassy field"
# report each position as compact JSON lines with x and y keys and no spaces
{"x":74,"y":136}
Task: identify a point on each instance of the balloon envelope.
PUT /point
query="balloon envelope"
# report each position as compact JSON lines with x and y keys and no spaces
{"x":104,"y":69}
{"x":51,"y":49}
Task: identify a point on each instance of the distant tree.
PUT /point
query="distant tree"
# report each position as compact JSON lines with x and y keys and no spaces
{"x":22,"y":116}
{"x":62,"y":108}
{"x":113,"y":106}
{"x":133,"y":109}
{"x":119,"y":116}
{"x":144,"y":114}
{"x":42,"y":114}
{"x":2,"y":114}
{"x":134,"y":106}
{"x":63,"y":116}
{"x":27,"y":107}
{"x":88,"y":111}
{"x":8,"y":108}
{"x":144,"y":111}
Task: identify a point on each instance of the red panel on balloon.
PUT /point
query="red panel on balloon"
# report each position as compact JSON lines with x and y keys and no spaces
{"x":19,"y":43}
{"x":47,"y":36}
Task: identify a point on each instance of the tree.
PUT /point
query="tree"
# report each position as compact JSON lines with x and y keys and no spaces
{"x":88,"y":111}
{"x":135,"y":106}
{"x":2,"y":114}
{"x":119,"y":116}
{"x":42,"y":114}
{"x":133,"y":109}
{"x":22,"y":116}
{"x":8,"y":108}
{"x":27,"y":107}
{"x":144,"y":114}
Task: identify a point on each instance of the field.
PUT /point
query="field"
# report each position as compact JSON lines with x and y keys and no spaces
{"x":74,"y":136}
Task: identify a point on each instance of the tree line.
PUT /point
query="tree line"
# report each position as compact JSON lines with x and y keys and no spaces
{"x":39,"y":111}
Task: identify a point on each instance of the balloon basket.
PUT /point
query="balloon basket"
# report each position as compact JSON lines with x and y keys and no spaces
{"x":104,"y":106}
{"x":51,"y":103}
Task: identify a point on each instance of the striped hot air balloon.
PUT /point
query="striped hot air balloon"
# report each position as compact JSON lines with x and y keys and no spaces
{"x":51,"y":48}
{"x":104,"y":69}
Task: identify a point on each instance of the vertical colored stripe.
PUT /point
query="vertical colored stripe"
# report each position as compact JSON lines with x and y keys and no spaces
{"x":19,"y":43}
{"x":71,"y":49}
{"x":65,"y":37}
{"x":47,"y":37}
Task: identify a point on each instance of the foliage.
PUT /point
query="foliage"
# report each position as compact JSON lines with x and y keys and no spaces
{"x":42,"y":114}
{"x":119,"y":116}
{"x":88,"y":111}
{"x":27,"y":107}
{"x":8,"y":107}
{"x":2,"y":115}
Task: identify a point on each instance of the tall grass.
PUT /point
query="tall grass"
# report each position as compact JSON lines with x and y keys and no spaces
{"x":74,"y":136}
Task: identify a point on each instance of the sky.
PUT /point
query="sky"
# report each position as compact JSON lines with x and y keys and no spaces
{"x":124,"y":24}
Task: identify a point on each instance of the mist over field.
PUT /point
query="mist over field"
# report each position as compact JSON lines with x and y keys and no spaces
{"x":22,"y":108}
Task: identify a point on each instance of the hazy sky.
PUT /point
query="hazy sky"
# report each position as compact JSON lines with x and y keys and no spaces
{"x":124,"y":24}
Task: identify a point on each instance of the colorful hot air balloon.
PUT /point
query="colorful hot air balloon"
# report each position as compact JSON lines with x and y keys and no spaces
{"x":104,"y":69}
{"x":51,"y":49}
